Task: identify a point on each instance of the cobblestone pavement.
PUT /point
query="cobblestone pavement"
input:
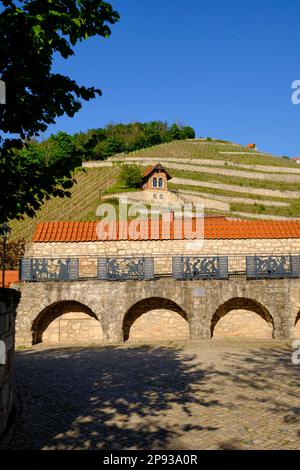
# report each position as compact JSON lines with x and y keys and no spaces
{"x":208,"y":395}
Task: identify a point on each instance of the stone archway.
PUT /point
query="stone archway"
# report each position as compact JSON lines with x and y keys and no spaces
{"x":297,"y":326}
{"x":67,"y":321}
{"x":155,"y":319}
{"x":242,"y":318}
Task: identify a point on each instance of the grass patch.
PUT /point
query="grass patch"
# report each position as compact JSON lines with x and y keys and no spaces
{"x":115,"y":202}
{"x":236,"y":181}
{"x":227,"y":193}
{"x":292,"y":211}
{"x":119,"y":187}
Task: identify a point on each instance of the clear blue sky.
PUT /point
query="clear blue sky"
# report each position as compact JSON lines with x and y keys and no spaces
{"x":224,"y":67}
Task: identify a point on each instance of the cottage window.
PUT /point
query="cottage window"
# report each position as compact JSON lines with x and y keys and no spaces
{"x":160,"y":183}
{"x":154,"y":182}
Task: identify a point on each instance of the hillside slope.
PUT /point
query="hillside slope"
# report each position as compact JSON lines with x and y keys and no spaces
{"x":248,"y":183}
{"x":86,"y":195}
{"x":253,"y":183}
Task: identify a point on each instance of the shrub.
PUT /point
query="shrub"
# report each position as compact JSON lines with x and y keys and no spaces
{"x":14,"y":250}
{"x":187,"y":132}
{"x":131,"y":176}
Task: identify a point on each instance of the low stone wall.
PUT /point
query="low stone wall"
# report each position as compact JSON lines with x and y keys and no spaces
{"x":162,"y":251}
{"x":9,"y":299}
{"x":236,"y":188}
{"x":165,"y":249}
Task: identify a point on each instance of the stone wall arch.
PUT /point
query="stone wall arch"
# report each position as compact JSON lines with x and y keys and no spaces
{"x":242,"y":317}
{"x":159,"y":319}
{"x":80,"y":324}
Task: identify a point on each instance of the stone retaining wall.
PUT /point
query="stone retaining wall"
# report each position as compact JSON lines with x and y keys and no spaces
{"x":196,"y":161}
{"x":9,"y":299}
{"x":236,"y":188}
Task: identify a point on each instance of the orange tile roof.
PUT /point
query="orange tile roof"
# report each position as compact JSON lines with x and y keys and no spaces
{"x":11,"y":277}
{"x":151,"y":169}
{"x":148,"y":170}
{"x":214,"y":228}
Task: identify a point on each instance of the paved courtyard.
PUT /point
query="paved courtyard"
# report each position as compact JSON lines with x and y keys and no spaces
{"x":209,"y":395}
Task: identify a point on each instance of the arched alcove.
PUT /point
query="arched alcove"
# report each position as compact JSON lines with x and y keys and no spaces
{"x":242,"y":318}
{"x":67,"y":322}
{"x":155,"y":319}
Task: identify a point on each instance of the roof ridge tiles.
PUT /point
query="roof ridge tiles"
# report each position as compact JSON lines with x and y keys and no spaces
{"x":64,"y":231}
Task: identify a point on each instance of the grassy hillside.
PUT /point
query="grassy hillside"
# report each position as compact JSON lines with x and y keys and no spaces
{"x":246,"y":194}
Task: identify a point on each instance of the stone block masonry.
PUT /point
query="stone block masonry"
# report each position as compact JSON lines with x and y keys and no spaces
{"x":165,"y":247}
{"x":94,"y":311}
{"x":193,"y":309}
{"x":9,"y":299}
{"x":161,"y":250}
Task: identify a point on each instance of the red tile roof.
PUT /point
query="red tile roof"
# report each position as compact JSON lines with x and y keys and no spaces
{"x":214,"y":228}
{"x":11,"y":277}
{"x":150,"y":169}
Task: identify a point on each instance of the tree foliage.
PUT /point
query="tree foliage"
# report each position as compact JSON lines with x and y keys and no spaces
{"x":99,"y":144}
{"x":131,"y":176}
{"x":35,"y":173}
{"x":31,"y":33}
{"x":14,"y":250}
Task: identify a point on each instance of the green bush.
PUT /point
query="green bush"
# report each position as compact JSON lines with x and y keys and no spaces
{"x":131,"y":176}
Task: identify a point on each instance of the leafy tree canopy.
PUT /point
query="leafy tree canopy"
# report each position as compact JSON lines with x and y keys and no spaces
{"x":35,"y":173}
{"x":131,"y":176}
{"x":99,"y":144}
{"x":14,"y":249}
{"x":31,"y":32}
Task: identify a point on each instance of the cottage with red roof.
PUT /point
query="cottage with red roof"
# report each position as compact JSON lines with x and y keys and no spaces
{"x":252,"y":146}
{"x":156,"y":178}
{"x":155,"y":183}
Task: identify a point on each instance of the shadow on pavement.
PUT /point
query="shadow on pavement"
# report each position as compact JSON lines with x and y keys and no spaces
{"x":123,"y":398}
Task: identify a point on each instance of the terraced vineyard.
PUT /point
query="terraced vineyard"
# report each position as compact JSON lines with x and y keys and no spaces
{"x":251,"y":183}
{"x":244,"y":183}
{"x":85,"y":197}
{"x":199,"y":149}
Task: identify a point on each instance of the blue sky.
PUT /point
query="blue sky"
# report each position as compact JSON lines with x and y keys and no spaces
{"x":224,"y":67}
